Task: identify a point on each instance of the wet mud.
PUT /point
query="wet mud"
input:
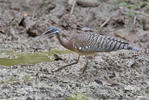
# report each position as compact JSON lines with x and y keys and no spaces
{"x":116,"y":75}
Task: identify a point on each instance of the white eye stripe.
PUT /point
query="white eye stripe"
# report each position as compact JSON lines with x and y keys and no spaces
{"x":55,"y":32}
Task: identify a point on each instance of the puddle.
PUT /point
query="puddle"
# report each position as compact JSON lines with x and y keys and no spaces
{"x":11,"y":58}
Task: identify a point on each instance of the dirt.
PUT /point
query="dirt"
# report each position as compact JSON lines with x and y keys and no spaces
{"x":116,"y":75}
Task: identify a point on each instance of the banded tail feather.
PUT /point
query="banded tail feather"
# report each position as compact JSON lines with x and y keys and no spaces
{"x":129,"y":47}
{"x":113,"y":44}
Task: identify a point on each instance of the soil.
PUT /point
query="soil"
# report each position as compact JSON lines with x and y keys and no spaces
{"x":115,"y":75}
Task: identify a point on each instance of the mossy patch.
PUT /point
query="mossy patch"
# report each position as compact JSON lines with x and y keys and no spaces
{"x":11,"y":58}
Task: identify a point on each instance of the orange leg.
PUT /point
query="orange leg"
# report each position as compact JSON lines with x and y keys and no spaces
{"x":85,"y":66}
{"x":67,"y":65}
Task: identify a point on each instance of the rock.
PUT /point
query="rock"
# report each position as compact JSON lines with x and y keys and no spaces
{"x":88,"y":3}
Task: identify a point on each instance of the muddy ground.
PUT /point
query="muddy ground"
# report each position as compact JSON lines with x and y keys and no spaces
{"x":122,"y":75}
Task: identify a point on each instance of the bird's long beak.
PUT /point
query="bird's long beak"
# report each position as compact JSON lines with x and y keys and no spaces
{"x":43,"y":34}
{"x":40,"y":36}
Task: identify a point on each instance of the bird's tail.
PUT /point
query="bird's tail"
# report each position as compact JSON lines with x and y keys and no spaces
{"x":129,"y":47}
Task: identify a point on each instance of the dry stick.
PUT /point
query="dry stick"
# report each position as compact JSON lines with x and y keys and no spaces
{"x":117,"y":35}
{"x":134,"y":20}
{"x":33,"y":13}
{"x":3,"y":32}
{"x":72,"y":8}
{"x":102,"y":25}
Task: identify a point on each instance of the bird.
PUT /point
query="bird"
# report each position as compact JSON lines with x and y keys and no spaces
{"x":88,"y":43}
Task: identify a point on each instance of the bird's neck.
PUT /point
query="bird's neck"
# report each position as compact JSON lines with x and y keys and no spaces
{"x":63,"y":42}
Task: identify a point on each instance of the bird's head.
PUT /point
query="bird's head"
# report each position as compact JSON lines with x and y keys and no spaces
{"x":50,"y":30}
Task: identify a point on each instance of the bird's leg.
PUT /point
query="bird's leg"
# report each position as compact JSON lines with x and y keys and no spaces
{"x":85,"y":66}
{"x":67,"y":65}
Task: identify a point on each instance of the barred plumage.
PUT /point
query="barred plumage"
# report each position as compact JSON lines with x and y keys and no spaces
{"x":89,"y":43}
{"x":93,"y":42}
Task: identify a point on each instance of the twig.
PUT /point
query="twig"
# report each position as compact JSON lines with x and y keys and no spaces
{"x":72,"y":8}
{"x":134,"y":20}
{"x":117,"y":35}
{"x":3,"y":32}
{"x":34,"y":11}
{"x":102,"y":25}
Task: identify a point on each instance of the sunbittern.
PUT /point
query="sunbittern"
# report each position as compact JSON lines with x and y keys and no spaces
{"x":89,"y":43}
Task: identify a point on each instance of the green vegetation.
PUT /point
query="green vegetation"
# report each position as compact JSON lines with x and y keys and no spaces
{"x":78,"y":96}
{"x":132,"y":11}
{"x":0,"y":14}
{"x":10,"y":58}
{"x":131,"y":6}
{"x":148,"y":3}
{"x":45,"y":2}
